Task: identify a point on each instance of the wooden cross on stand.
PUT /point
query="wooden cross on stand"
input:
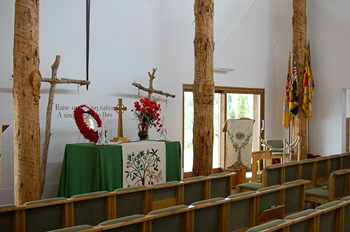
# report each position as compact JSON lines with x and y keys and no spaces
{"x":53,"y":82}
{"x":120,"y":108}
{"x":150,"y":89}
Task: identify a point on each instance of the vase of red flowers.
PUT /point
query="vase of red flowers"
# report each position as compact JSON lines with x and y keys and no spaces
{"x":148,"y":114}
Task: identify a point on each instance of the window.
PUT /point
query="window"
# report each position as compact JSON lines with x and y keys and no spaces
{"x":229,"y":103}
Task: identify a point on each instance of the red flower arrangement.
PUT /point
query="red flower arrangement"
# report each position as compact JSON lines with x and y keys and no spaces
{"x":148,"y":114}
{"x":85,"y":130}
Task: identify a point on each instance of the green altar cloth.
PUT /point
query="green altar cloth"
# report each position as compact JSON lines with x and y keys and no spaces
{"x":90,"y":168}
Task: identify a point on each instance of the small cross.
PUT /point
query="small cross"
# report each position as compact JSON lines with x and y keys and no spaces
{"x":120,"y":108}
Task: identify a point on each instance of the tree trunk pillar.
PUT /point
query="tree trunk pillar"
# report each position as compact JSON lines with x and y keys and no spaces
{"x":299,"y":123}
{"x":203,"y":88}
{"x":26,"y":94}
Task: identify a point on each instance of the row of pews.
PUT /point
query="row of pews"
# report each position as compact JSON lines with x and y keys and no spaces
{"x":96,"y":207}
{"x":236,"y":212}
{"x":329,"y":177}
{"x":331,"y":216}
{"x":194,"y":204}
{"x":202,"y":203}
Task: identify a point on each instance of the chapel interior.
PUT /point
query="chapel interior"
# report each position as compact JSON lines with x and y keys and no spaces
{"x":170,"y":116}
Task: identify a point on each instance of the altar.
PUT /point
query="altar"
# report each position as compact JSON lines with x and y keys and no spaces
{"x":87,"y":167}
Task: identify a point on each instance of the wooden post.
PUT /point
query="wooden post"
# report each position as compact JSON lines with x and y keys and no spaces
{"x":120,"y":108}
{"x":26,"y":94}
{"x":53,"y":81}
{"x":203,"y":88}
{"x":299,"y":123}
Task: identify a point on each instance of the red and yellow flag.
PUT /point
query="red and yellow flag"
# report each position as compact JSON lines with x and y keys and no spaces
{"x":286,"y":113}
{"x":309,"y":85}
{"x":293,"y":93}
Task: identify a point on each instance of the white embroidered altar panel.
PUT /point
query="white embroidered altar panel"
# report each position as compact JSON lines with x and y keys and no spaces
{"x":144,"y":163}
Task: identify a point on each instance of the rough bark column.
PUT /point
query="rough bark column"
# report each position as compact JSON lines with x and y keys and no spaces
{"x":203,"y":88}
{"x":26,"y":94}
{"x":299,"y":48}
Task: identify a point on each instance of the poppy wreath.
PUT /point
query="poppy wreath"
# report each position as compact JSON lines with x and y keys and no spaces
{"x":85,"y":130}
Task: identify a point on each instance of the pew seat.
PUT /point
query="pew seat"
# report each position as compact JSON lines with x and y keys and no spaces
{"x":73,"y":228}
{"x":249,"y":186}
{"x":338,"y":187}
{"x":269,"y":226}
{"x":131,"y":223}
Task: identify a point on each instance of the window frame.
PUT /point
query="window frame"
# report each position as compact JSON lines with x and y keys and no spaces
{"x":223,"y":90}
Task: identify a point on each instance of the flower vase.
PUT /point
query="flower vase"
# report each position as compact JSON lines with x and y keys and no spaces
{"x":143,"y":132}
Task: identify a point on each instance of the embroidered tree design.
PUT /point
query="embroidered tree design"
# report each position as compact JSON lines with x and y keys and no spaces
{"x":142,"y":168}
{"x":240,"y":136}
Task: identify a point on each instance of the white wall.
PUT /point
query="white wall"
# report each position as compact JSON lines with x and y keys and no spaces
{"x":124,"y":46}
{"x":6,"y":112}
{"x":328,"y":32}
{"x":328,"y":27}
{"x":284,"y":45}
{"x":249,"y":46}
{"x":129,"y":38}
{"x":348,"y":103}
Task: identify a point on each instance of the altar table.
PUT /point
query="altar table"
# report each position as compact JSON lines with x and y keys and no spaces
{"x":87,"y":167}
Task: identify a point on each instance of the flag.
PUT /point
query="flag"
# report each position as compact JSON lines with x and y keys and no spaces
{"x":293,"y":94}
{"x":309,"y":85}
{"x":286,"y":113}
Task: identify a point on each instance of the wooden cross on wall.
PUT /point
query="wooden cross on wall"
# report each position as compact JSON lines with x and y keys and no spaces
{"x":150,"y":89}
{"x":120,"y":108}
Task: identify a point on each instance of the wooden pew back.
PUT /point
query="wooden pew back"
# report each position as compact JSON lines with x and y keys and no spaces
{"x":135,"y":200}
{"x":328,"y":217}
{"x":11,"y":217}
{"x":258,"y":158}
{"x":195,"y":189}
